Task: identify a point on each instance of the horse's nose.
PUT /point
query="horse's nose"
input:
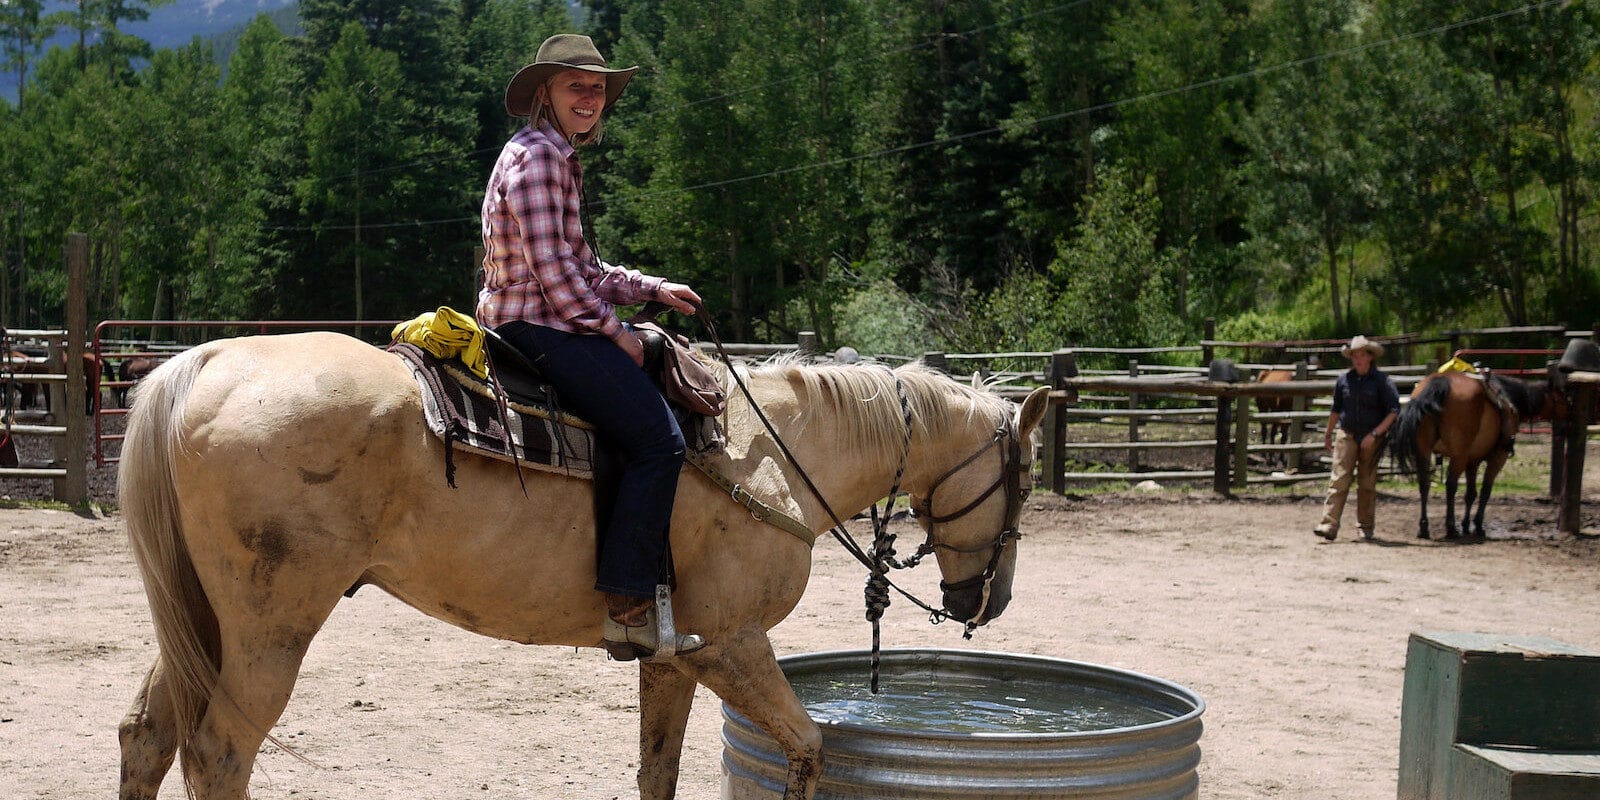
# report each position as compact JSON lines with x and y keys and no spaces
{"x":965,"y":604}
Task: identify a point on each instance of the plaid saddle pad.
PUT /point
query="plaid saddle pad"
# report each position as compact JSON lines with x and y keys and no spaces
{"x":461,"y":409}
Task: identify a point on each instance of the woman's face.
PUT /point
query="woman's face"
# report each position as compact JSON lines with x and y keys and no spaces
{"x":577,"y":97}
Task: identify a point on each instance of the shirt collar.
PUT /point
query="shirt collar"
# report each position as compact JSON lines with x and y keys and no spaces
{"x":544,"y":130}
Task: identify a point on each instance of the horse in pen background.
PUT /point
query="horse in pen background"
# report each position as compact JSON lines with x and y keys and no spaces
{"x":1275,"y":431}
{"x":1452,"y":415}
{"x":263,"y":477}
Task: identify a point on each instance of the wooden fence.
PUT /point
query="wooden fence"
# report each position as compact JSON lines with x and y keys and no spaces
{"x":68,"y":470}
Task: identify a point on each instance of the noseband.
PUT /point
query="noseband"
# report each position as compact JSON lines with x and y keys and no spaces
{"x":1014,"y":478}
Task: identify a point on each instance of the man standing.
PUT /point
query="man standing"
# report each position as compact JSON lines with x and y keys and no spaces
{"x":1365,"y":404}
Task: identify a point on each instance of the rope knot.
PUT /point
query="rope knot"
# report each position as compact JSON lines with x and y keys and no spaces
{"x":877,"y":596}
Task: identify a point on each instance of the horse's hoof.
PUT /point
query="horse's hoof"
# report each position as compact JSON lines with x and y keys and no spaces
{"x":1422,"y":534}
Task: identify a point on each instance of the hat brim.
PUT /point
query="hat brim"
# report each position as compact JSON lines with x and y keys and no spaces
{"x":1372,"y":347}
{"x":525,"y":84}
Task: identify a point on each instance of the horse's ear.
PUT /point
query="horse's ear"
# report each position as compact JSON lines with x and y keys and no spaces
{"x":977,"y":380}
{"x":1032,"y":412}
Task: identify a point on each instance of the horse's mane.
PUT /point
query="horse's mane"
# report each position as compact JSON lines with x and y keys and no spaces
{"x":862,"y":398}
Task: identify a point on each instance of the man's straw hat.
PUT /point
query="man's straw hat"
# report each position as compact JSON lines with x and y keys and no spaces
{"x":1363,"y":343}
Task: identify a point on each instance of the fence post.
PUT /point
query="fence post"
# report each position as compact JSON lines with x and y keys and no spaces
{"x":1206,"y":351}
{"x":1063,"y":365}
{"x":1558,"y":441}
{"x":1568,"y":517}
{"x":1297,"y":427}
{"x":936,"y":360}
{"x":74,"y":488}
{"x":1219,"y":456}
{"x":1133,"y":422}
{"x":1222,"y":371}
{"x":806,"y":343}
{"x":1241,"y":442}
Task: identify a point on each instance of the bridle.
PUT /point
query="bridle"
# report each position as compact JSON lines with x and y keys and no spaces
{"x":880,"y":558}
{"x":1014,"y":477}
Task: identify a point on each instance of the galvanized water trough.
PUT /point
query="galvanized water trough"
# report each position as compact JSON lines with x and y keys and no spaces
{"x":1152,"y":760}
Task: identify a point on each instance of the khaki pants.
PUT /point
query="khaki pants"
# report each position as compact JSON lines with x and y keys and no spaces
{"x":1348,"y":462}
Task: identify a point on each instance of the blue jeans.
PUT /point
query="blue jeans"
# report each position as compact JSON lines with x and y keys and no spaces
{"x":596,"y":380}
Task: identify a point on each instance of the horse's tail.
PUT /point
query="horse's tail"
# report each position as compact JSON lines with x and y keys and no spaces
{"x":186,"y":625}
{"x":1403,"y":438}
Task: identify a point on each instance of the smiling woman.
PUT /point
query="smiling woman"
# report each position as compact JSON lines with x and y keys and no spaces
{"x":548,"y":294}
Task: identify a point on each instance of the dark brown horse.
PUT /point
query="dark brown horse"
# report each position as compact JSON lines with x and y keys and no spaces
{"x":1274,"y":431}
{"x":132,"y":369}
{"x":29,"y":392}
{"x":1452,"y":415}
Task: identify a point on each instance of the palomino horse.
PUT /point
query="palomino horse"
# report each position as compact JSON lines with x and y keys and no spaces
{"x":262,"y":477}
{"x":1275,"y":431}
{"x":1451,"y":414}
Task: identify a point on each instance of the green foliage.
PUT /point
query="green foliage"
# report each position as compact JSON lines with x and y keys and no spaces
{"x":879,"y":317}
{"x":894,"y":175}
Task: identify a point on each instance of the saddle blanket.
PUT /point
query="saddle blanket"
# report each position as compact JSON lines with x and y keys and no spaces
{"x":461,"y":409}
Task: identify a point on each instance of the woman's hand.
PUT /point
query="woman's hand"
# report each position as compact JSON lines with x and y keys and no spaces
{"x":678,"y":297}
{"x":631,"y":345}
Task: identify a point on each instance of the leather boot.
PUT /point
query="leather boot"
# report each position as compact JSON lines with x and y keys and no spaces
{"x":636,"y":626}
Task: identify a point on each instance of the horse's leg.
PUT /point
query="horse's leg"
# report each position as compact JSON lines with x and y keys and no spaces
{"x":665,"y":696}
{"x":1472,"y":497}
{"x":260,"y":661}
{"x":1452,"y":477}
{"x":743,"y":671}
{"x":1424,"y":485}
{"x":149,"y":738}
{"x":1491,"y":470}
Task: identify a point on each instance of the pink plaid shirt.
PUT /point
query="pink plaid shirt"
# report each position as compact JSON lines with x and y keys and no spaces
{"x":536,"y":265}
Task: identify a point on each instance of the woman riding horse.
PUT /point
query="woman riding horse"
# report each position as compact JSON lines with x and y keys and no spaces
{"x":262,"y":477}
{"x":549,"y":295}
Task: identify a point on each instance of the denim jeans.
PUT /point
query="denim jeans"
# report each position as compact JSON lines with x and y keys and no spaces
{"x":596,"y":380}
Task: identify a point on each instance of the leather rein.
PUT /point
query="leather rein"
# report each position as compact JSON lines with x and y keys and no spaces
{"x":880,"y":558}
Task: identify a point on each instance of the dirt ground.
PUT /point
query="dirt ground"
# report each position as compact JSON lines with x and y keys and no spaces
{"x":1297,"y":645}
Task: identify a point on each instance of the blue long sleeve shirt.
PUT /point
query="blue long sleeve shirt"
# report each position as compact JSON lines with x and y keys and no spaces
{"x":1362,"y":401}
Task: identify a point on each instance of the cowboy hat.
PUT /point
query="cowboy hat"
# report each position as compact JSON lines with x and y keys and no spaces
{"x":1363,"y":343}
{"x":559,"y":52}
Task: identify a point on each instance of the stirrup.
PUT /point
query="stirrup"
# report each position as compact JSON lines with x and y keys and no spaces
{"x":655,"y":641}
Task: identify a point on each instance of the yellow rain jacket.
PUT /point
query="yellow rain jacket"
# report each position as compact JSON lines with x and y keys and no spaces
{"x":446,"y":333}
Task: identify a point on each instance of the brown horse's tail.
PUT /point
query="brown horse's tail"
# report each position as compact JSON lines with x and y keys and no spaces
{"x":1428,"y":403}
{"x":186,"y":625}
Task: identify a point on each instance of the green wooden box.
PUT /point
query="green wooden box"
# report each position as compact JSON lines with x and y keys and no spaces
{"x":1520,"y":696}
{"x":1502,"y":773}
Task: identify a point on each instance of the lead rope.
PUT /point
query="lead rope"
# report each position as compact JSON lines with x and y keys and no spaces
{"x":882,"y":552}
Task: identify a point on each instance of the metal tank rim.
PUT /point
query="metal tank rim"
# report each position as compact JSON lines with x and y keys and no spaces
{"x":1180,"y":694}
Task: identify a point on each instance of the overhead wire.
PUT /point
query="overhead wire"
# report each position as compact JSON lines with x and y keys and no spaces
{"x":746,"y":90}
{"x":1018,"y":125}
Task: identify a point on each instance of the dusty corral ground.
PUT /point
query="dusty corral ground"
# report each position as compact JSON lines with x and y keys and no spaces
{"x":1298,"y":646}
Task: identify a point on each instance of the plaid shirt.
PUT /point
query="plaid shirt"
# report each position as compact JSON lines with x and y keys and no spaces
{"x":537,"y":266}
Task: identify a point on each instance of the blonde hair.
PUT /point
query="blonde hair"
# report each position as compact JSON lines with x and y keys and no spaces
{"x":542,"y":112}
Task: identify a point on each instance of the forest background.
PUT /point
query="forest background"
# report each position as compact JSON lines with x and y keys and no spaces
{"x":897,"y":175}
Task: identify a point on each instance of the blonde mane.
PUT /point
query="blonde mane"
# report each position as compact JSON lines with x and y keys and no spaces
{"x":862,"y":398}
